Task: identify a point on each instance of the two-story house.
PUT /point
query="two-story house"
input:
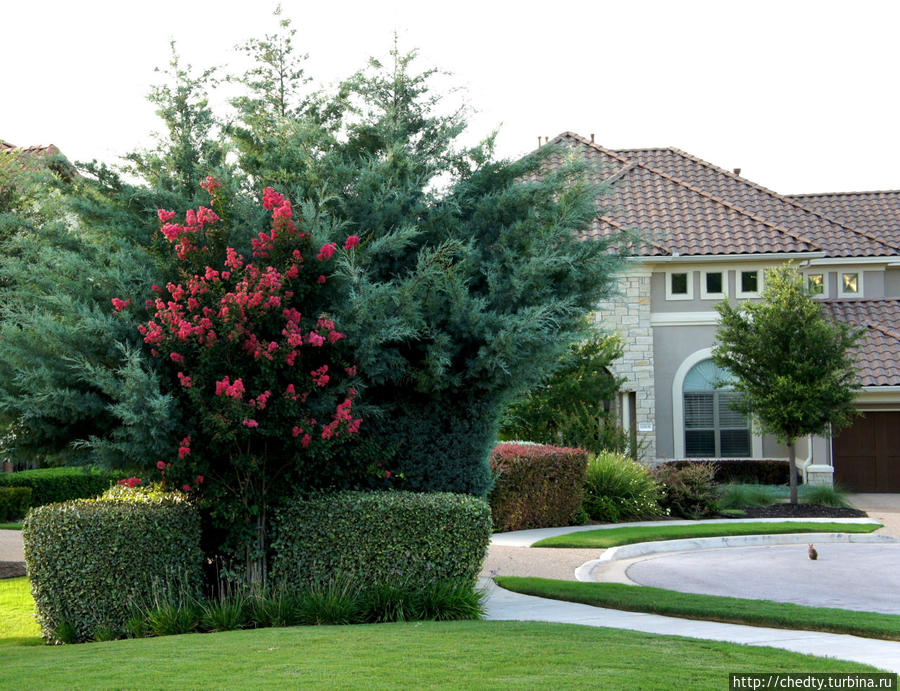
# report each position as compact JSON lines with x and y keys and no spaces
{"x":708,"y":235}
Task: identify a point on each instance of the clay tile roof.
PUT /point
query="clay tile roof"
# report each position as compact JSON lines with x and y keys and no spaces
{"x":49,"y":153}
{"x":877,"y":213}
{"x":839,"y":237}
{"x":881,"y":341}
{"x":674,"y":216}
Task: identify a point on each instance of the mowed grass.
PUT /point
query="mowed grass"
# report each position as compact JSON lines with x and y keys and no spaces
{"x":626,"y":535}
{"x":17,"y":624}
{"x":710,"y":607}
{"x":10,"y":526}
{"x":410,"y":655}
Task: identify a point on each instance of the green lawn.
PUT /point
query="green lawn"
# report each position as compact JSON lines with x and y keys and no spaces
{"x":412,"y":655}
{"x":10,"y":526}
{"x":710,"y":607}
{"x":627,"y":535}
{"x":17,"y":625}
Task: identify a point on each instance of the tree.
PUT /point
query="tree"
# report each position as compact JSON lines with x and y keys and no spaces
{"x":793,"y":366}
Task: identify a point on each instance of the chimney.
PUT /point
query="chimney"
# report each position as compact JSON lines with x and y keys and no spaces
{"x":736,"y":171}
{"x":592,"y":137}
{"x":546,"y":140}
{"x":539,"y":141}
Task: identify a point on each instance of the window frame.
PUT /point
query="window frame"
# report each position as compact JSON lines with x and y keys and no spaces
{"x":860,"y":284}
{"x":706,"y":295}
{"x":717,"y":429}
{"x":826,"y":284}
{"x":690,"y":285}
{"x":738,"y":283}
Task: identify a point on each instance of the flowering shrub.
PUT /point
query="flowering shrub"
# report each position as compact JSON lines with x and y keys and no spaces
{"x":255,"y":361}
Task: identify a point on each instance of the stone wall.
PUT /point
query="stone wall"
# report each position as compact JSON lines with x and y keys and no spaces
{"x":628,"y":314}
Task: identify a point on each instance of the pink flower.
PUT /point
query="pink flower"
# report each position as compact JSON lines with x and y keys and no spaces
{"x":165,"y":216}
{"x":296,"y":432}
{"x":199,"y":479}
{"x":320,"y":280}
{"x":387,"y":474}
{"x":305,"y":441}
{"x":351,"y":242}
{"x":326,"y":252}
{"x":185,"y":381}
{"x":177,"y":358}
{"x":186,"y":488}
{"x":250,"y":423}
{"x":119,"y":304}
{"x":161,"y":465}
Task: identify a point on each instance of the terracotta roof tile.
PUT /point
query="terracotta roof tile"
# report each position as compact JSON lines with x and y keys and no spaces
{"x":877,"y":213}
{"x":836,"y":236}
{"x":881,"y":341}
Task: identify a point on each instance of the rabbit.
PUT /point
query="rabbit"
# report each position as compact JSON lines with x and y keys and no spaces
{"x":812,"y":553}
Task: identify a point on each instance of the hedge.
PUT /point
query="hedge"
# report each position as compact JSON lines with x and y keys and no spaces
{"x":537,"y":486}
{"x":91,"y":561}
{"x":50,"y":485}
{"x":378,"y":538}
{"x":14,"y":502}
{"x":762,"y":472}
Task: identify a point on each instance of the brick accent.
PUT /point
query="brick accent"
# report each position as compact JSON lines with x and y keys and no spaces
{"x":628,"y":314}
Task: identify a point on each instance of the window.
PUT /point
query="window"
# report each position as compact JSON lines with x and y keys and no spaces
{"x":815,"y":283}
{"x":679,"y":285}
{"x":712,"y":428}
{"x":850,"y":284}
{"x":712,"y":285}
{"x":749,"y":284}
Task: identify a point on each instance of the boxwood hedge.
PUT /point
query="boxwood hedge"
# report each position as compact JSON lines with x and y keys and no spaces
{"x":376,"y":538}
{"x":91,"y":561}
{"x":49,"y":485}
{"x":14,"y":502}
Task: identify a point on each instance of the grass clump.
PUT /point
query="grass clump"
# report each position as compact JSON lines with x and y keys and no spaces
{"x":634,"y":598}
{"x":619,"y":488}
{"x":626,"y":535}
{"x":735,"y":495}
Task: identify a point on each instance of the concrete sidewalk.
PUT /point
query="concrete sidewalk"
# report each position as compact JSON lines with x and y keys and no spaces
{"x":503,"y":605}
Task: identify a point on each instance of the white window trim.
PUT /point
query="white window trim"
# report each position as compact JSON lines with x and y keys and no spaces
{"x":760,"y":278}
{"x":826,"y":283}
{"x":690,"y":285}
{"x":840,"y":281}
{"x":713,"y":296}
{"x":756,"y":449}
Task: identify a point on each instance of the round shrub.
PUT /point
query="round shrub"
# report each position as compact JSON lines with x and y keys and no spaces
{"x":91,"y":561}
{"x":689,"y":491}
{"x":378,"y":538}
{"x":618,"y":488}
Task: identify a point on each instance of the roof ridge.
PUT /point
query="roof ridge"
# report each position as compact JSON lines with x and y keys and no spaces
{"x":783,"y":198}
{"x":841,"y":194}
{"x":697,"y":190}
{"x":886,"y":332}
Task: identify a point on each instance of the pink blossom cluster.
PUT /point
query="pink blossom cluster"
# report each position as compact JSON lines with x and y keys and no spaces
{"x":226,"y":388}
{"x":130,"y":482}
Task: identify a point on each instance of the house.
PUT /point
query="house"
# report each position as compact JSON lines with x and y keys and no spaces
{"x":708,"y":234}
{"x":30,"y":157}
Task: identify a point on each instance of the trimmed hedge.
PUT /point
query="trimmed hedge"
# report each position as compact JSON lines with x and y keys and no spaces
{"x":50,"y":485}
{"x":373,"y":539}
{"x":92,"y":561}
{"x":14,"y":502}
{"x":768,"y":472}
{"x":537,"y":486}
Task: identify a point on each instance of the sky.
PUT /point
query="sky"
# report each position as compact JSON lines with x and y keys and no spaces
{"x":802,"y":96}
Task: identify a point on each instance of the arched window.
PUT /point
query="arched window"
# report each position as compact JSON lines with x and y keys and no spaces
{"x":712,"y":428}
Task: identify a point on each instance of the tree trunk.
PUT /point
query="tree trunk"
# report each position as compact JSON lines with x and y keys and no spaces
{"x":257,"y":566}
{"x":792,"y":454}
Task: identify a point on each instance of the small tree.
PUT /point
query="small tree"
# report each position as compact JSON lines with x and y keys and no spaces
{"x":793,"y":365}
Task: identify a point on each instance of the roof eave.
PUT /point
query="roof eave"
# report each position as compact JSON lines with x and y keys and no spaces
{"x":694,"y":258}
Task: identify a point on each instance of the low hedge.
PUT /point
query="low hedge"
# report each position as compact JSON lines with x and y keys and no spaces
{"x":50,"y":485}
{"x":92,"y":561}
{"x":758,"y":472}
{"x":14,"y":502}
{"x":537,"y":486}
{"x":378,"y":538}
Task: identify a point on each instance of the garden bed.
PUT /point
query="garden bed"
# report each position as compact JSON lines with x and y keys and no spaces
{"x":796,"y":511}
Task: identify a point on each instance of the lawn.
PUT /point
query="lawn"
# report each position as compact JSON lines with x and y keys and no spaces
{"x":733,"y":610}
{"x":10,"y":526}
{"x":626,"y":535}
{"x":17,"y":625}
{"x":420,"y":655}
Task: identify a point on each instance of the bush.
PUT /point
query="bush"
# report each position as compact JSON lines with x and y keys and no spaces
{"x":689,"y":491}
{"x":617,"y":487}
{"x":537,"y":486}
{"x":739,"y":496}
{"x":91,"y":561}
{"x":823,"y":495}
{"x":744,"y":471}
{"x":50,"y":485}
{"x":14,"y":502}
{"x":377,"y":538}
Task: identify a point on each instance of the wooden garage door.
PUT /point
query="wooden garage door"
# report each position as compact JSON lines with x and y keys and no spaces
{"x":867,"y":455}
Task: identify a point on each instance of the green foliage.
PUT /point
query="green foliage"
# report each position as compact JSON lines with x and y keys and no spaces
{"x":571,"y":405}
{"x":619,"y":488}
{"x":743,"y":495}
{"x":50,"y":485}
{"x":14,"y":502}
{"x":688,"y":492}
{"x":537,"y":486}
{"x":91,"y":561}
{"x":823,"y":495}
{"x":372,"y":538}
{"x":793,"y":366}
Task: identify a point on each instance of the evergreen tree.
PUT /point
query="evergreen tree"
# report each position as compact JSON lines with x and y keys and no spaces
{"x":793,"y":366}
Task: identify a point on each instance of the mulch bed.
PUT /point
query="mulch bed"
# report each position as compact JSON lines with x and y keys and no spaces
{"x":11,"y":569}
{"x":797,"y":511}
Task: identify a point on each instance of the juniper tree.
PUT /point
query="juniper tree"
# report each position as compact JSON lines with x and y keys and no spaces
{"x":793,"y":366}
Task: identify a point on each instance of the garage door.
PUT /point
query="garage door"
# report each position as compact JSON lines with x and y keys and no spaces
{"x":867,"y":455}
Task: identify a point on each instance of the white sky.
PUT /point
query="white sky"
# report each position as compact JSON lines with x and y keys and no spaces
{"x":803,"y":96}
